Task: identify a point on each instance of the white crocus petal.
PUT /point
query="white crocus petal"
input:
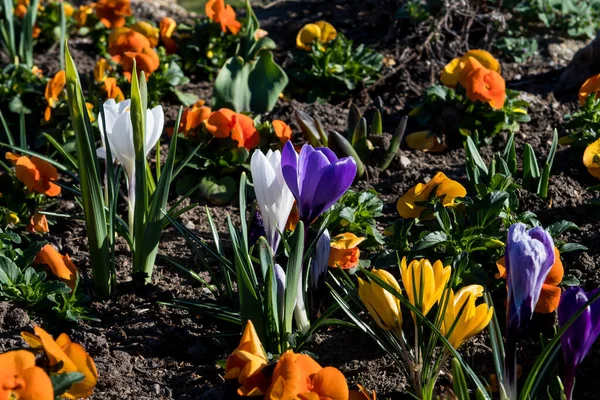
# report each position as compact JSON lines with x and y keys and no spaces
{"x":153,"y":135}
{"x":272,"y":194}
{"x":121,"y":142}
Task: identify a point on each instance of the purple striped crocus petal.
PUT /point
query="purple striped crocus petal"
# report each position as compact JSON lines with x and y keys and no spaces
{"x":529,"y":259}
{"x":289,"y":168}
{"x":317,"y":165}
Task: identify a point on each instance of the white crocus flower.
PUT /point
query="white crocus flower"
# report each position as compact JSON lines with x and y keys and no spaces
{"x":274,"y":198}
{"x":119,"y":132}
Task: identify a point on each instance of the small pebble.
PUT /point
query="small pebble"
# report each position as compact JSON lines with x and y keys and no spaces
{"x":405,"y":161}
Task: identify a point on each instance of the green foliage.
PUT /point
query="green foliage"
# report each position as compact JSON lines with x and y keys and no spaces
{"x":250,"y":80}
{"x":584,"y":124}
{"x":16,"y":35}
{"x":355,"y":212}
{"x":520,"y":48}
{"x":165,"y":80}
{"x":334,"y":69}
{"x":448,"y":110}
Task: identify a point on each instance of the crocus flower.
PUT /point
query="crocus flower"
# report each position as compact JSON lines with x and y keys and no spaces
{"x":282,"y":130}
{"x":322,"y":32}
{"x":483,"y":84}
{"x":38,"y":223}
{"x":529,"y":259}
{"x":318,"y":266}
{"x":550,"y":293}
{"x":60,"y":265}
{"x":166,"y":29}
{"x":246,"y":363}
{"x":452,"y":70}
{"x":227,"y":123}
{"x":344,"y":252}
{"x":119,"y":131}
{"x":591,"y":85}
{"x":21,"y":379}
{"x":462,"y":318}
{"x":219,"y":12}
{"x":272,"y":194}
{"x":100,"y":69}
{"x":591,"y":158}
{"x":193,"y":118}
{"x":424,"y":283}
{"x":112,"y":13}
{"x":112,"y":90}
{"x":581,"y":335}
{"x":148,"y":30}
{"x":445,"y":188}
{"x":73,"y":357}
{"x":383,"y":306}
{"x":298,"y":376}
{"x":316,"y":178}
{"x":54,"y":88}
{"x":37,"y":175}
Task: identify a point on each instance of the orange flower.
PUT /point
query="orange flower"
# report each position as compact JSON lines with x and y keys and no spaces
{"x":37,"y":71}
{"x":293,"y":218}
{"x":122,"y":40}
{"x":112,"y":90}
{"x":218,"y":12}
{"x":21,"y":379}
{"x":60,"y":265}
{"x":225,"y":123}
{"x":550,"y":294}
{"x":445,"y":189}
{"x":362,"y":394}
{"x":483,"y":84}
{"x":591,"y":85}
{"x":148,"y":30}
{"x":100,"y":69}
{"x":112,"y":13}
{"x":344,"y":252}
{"x":591,"y":158}
{"x":146,"y":60}
{"x":82,"y":13}
{"x":452,"y":70}
{"x":193,"y":117}
{"x":38,"y":223}
{"x":21,"y":8}
{"x":246,"y":363}
{"x":167,"y":28}
{"x":298,"y":376}
{"x":35,"y":33}
{"x":72,"y":356}
{"x":54,"y":88}
{"x":36,"y":174}
{"x":282,"y":130}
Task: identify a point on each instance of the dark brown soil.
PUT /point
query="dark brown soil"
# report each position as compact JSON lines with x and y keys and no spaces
{"x":147,"y":351}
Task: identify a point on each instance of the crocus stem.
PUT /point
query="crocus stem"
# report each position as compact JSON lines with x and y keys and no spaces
{"x":510,"y":364}
{"x":131,"y":201}
{"x":412,"y":370}
{"x":300,"y":309}
{"x":569,"y":381}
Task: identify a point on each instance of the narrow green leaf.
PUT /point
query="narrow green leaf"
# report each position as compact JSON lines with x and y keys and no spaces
{"x":394,"y":144}
{"x":293,"y":276}
{"x":377,"y":123}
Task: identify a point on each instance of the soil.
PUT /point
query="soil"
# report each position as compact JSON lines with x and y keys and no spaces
{"x":144,"y":350}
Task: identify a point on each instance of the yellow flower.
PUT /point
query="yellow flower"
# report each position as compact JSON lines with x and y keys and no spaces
{"x":100,"y":69}
{"x":146,"y":29}
{"x":383,"y":306}
{"x":12,"y":218}
{"x":81,"y":14}
{"x":424,"y":283}
{"x":591,"y":158}
{"x":69,"y":9}
{"x":462,"y":319}
{"x":322,"y":32}
{"x":452,"y":70}
{"x":425,"y":141}
{"x":445,"y":189}
{"x":344,"y":252}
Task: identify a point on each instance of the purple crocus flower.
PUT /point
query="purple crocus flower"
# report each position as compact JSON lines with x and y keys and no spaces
{"x":529,"y":259}
{"x":316,"y":178}
{"x":318,"y":266}
{"x":580,"y":336}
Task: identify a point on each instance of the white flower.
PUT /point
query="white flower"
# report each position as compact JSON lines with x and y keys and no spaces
{"x":119,"y":132}
{"x":274,"y":198}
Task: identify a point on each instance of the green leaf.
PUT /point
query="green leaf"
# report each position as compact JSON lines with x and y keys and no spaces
{"x":354,"y":116}
{"x":560,"y":227}
{"x":394,"y":144}
{"x":431,"y":239}
{"x":218,"y":191}
{"x":377,"y":124}
{"x":568,"y":247}
{"x":266,"y":81}
{"x":187,"y":99}
{"x":461,"y":390}
{"x":310,"y":128}
{"x":292,"y":278}
{"x":342,"y":147}
{"x":63,"y":382}
{"x":531,"y":171}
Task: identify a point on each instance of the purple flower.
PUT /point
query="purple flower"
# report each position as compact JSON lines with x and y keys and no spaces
{"x":316,"y":178}
{"x":318,"y":266}
{"x":529,"y":259}
{"x":580,"y":336}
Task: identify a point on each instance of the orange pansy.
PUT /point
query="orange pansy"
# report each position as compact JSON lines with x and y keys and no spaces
{"x":227,"y":123}
{"x":38,"y":223}
{"x":483,"y":84}
{"x":445,"y":188}
{"x":73,"y":356}
{"x":362,"y":394}
{"x":100,"y":69}
{"x":167,"y":28}
{"x":112,"y":13}
{"x":591,"y":85}
{"x":21,"y":379}
{"x":344,"y":252}
{"x":146,"y":60}
{"x":60,"y":265}
{"x":282,"y":130}
{"x":54,"y":88}
{"x":223,"y":14}
{"x":148,"y":30}
{"x":81,"y":15}
{"x":193,"y":117}
{"x":550,"y":294}
{"x":122,"y":40}
{"x":36,"y":174}
{"x":112,"y":90}
{"x":452,"y":70}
